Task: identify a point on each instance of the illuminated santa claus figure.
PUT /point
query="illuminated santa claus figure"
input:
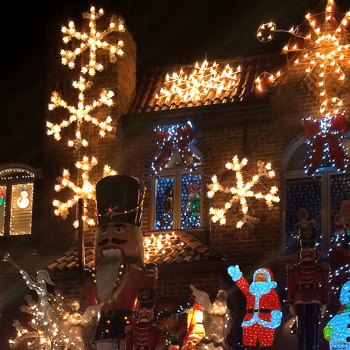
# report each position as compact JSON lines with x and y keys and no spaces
{"x":119,"y":257}
{"x":263,"y":314}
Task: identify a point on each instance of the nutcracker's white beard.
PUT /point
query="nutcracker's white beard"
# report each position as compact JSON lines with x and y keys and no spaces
{"x":106,"y":276}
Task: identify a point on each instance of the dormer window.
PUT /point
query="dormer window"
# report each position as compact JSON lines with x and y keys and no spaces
{"x":16,"y":201}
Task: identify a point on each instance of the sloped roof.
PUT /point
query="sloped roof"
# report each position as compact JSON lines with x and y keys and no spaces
{"x":152,"y":81}
{"x":177,"y":248}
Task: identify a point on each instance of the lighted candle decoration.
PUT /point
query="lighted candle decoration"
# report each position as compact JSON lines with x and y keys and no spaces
{"x":86,"y":191}
{"x":321,"y":44}
{"x":242,"y":191}
{"x":92,"y":41}
{"x":80,"y":114}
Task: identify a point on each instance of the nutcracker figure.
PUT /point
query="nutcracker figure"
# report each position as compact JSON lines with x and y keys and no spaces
{"x":119,"y":257}
{"x":308,"y":295}
{"x":146,"y":334}
{"x":263,"y":314}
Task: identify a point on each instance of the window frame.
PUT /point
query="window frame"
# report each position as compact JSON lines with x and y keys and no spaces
{"x":177,"y":174}
{"x":9,"y":184}
{"x":325,"y":179}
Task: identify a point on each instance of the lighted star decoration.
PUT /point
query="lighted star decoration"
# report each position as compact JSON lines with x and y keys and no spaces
{"x":321,"y":44}
{"x":206,"y":78}
{"x":242,"y":191}
{"x":86,"y":191}
{"x":92,"y":41}
{"x":80,"y":114}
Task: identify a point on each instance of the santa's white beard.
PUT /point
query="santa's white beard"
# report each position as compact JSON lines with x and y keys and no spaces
{"x":106,"y":276}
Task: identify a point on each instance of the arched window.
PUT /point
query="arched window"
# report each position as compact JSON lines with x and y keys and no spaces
{"x":177,"y":195}
{"x":16,"y":201}
{"x":325,"y":198}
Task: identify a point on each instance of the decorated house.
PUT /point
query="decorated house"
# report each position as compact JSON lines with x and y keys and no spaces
{"x":236,"y":156}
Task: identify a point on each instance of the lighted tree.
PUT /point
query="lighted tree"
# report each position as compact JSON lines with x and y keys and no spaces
{"x":80,"y":114}
{"x":86,"y":191}
{"x":92,"y":41}
{"x":321,"y":42}
{"x":242,"y":191}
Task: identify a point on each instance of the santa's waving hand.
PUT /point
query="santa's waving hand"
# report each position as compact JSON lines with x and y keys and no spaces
{"x":263,"y":313}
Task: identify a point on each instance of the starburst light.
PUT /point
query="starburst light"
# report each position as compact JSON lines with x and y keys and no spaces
{"x":242,"y":191}
{"x":92,"y":41}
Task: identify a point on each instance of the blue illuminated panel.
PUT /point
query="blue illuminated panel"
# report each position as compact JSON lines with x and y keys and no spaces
{"x":340,"y":220}
{"x":164,"y":203}
{"x":302,"y":193}
{"x":190,"y":201}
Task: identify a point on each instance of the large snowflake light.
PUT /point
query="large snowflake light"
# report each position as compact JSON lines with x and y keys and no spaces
{"x":86,"y":191}
{"x":321,"y":43}
{"x":242,"y":191}
{"x":205,"y":78}
{"x":80,"y":114}
{"x":92,"y":41}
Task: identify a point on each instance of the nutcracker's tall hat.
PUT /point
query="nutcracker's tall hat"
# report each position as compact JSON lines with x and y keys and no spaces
{"x":148,"y":291}
{"x":119,"y":199}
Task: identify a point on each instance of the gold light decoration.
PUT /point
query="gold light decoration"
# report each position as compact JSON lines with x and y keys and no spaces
{"x":205,"y":79}
{"x":80,"y":114}
{"x":242,"y":191}
{"x":86,"y":191}
{"x":321,"y":43}
{"x":92,"y":41}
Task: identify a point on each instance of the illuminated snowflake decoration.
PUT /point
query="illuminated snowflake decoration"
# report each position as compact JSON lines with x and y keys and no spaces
{"x":80,"y":114}
{"x":92,"y":41}
{"x":321,"y":42}
{"x":86,"y":191}
{"x":204,"y":79}
{"x":242,"y":191}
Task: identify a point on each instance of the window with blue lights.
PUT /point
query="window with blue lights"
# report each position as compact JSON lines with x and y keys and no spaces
{"x":325,"y":198}
{"x":177,"y":196}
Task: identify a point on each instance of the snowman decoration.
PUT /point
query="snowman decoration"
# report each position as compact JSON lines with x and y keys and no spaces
{"x":23,"y":200}
{"x":337,"y":331}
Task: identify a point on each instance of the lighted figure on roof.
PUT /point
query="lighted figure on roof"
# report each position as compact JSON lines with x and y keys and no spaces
{"x":337,"y":331}
{"x":198,"y":83}
{"x":242,"y":191}
{"x":92,"y":41}
{"x":321,"y":43}
{"x":263,"y":313}
{"x":80,"y":114}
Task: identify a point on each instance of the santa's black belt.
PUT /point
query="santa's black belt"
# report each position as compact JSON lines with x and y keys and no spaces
{"x":258,"y":311}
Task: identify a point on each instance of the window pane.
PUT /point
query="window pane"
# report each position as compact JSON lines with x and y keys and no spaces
{"x":340,"y":206}
{"x":190,"y":201}
{"x":164,"y":203}
{"x":21,"y":209}
{"x":2,"y":209}
{"x":302,"y":193}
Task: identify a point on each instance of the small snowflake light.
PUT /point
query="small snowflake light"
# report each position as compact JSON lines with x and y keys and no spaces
{"x":242,"y":191}
{"x":205,"y":78}
{"x":80,"y":114}
{"x":92,"y":41}
{"x":86,"y":191}
{"x":321,"y":43}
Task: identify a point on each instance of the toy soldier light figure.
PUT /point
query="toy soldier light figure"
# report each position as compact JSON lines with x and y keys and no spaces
{"x":146,"y":334}
{"x":119,"y":257}
{"x":263,"y":314}
{"x":308,"y":295}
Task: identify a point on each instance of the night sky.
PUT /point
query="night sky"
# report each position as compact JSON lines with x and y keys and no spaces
{"x":166,"y":32}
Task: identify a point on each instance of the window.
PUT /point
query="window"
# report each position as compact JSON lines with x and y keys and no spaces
{"x":326,"y":198}
{"x":16,"y":201}
{"x":177,"y":196}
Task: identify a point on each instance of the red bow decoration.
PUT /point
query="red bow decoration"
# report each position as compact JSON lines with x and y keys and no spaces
{"x":174,"y":137}
{"x":329,"y":130}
